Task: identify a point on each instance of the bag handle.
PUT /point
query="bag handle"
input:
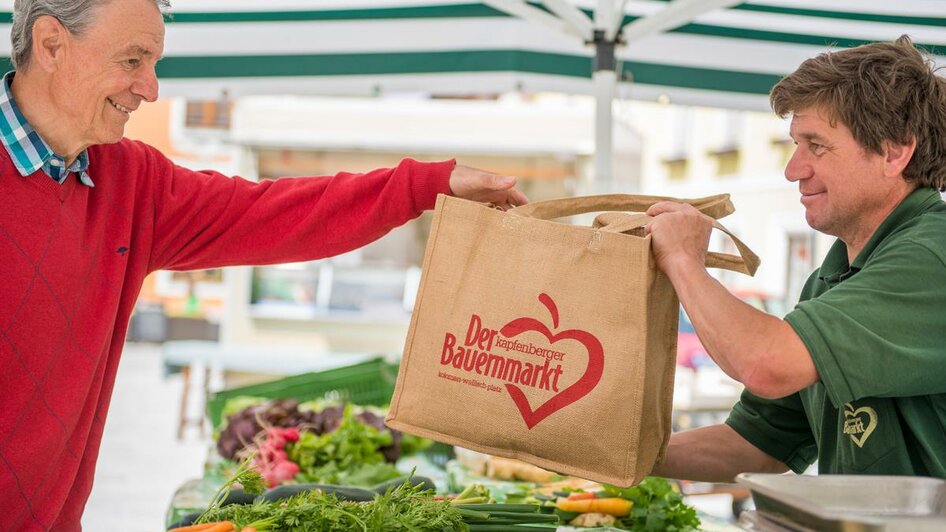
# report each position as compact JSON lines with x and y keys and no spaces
{"x":717,"y":206}
{"x":620,"y":222}
{"x":746,"y":262}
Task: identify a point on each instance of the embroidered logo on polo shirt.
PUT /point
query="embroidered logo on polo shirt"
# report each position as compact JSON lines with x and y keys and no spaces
{"x":859,"y":423}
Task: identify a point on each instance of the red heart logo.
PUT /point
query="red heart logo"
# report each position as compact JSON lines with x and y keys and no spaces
{"x":579,"y":388}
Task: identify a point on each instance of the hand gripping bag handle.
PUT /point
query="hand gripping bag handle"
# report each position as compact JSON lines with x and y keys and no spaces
{"x":716,"y":206}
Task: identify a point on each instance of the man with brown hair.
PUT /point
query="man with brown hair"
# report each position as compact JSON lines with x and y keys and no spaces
{"x":852,"y":377}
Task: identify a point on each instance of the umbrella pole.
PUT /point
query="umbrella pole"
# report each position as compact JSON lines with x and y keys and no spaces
{"x":604,"y":80}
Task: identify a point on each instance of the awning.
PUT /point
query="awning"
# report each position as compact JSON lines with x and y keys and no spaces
{"x":686,"y":51}
{"x":727,"y":57}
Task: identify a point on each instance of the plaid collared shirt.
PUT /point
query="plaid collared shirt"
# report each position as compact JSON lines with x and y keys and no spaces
{"x":27,"y":149}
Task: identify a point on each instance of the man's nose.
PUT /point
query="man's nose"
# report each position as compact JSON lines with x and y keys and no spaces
{"x":146,"y":86}
{"x":797,"y":168}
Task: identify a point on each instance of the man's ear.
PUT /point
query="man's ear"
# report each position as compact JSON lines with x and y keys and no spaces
{"x":897,"y":156}
{"x":49,"y":41}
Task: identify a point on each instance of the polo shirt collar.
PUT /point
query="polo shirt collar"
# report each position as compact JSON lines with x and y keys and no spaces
{"x":28,"y":151}
{"x":835,"y":267}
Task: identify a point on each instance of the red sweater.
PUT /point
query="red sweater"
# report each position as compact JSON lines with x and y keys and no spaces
{"x":73,"y":261}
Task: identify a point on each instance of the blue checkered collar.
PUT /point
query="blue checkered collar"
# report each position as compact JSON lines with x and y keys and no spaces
{"x":27,"y":149}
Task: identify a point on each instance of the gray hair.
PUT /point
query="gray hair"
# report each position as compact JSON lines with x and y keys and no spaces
{"x":74,"y":15}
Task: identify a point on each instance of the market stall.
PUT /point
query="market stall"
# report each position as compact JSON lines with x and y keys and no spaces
{"x":317,"y":446}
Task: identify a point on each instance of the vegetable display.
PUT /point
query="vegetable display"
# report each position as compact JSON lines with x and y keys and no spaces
{"x":248,"y":416}
{"x":330,"y":468}
{"x":312,"y":442}
{"x":406,"y":507}
{"x":652,"y":505}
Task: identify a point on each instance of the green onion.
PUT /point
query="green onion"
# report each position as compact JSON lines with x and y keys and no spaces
{"x":482,"y":527}
{"x":472,"y":514}
{"x":521,"y":508}
{"x":523,"y":517}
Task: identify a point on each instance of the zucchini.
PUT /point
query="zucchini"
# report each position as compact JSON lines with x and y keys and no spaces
{"x":238,"y":496}
{"x":345,"y":493}
{"x":416,"y":480}
{"x":566,"y":516}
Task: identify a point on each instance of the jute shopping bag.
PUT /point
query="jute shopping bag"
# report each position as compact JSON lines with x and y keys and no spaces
{"x":547,"y":342}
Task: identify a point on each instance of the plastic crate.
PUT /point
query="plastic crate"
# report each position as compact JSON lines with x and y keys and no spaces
{"x":366,"y":383}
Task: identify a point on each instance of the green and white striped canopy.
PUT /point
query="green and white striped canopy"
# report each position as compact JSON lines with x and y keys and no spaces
{"x":728,"y":56}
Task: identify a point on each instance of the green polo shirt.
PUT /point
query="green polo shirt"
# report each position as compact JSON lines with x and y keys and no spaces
{"x":876,"y":331}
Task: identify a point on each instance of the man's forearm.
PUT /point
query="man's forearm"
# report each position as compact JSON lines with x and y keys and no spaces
{"x":757,"y":349}
{"x":716,"y":453}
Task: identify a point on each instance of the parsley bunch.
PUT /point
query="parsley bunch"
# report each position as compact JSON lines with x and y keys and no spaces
{"x":657,"y":507}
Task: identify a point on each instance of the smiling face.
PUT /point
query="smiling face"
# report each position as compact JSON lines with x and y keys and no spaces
{"x":844,"y":188}
{"x":106,"y":72}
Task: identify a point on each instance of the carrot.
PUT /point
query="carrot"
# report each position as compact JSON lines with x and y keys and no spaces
{"x":612,"y":506}
{"x":248,"y":529}
{"x":196,"y":528}
{"x":217,"y":526}
{"x":582,"y":495}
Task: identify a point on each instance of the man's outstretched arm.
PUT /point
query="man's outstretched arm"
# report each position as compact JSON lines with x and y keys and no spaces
{"x":715,"y":453}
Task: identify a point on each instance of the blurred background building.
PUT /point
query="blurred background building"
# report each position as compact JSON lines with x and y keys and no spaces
{"x":362,"y":301}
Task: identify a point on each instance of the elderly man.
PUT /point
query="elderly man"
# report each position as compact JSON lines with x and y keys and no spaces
{"x":853,"y":377}
{"x":85,"y":215}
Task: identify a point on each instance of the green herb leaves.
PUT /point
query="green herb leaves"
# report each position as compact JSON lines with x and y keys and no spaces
{"x":349,"y":455}
{"x":657,"y":507}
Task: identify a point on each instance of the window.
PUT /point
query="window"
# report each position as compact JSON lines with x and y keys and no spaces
{"x":728,"y":127}
{"x":727,"y":162}
{"x":294,"y":284}
{"x":327,"y":287}
{"x":367,"y":289}
{"x":676,"y":169}
{"x":209,"y":114}
{"x":204,"y":276}
{"x":801,"y":262}
{"x":783,"y":148}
